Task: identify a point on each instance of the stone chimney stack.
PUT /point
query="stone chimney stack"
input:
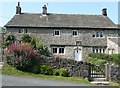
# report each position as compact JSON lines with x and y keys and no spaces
{"x":104,"y":11}
{"x":18,"y":9}
{"x":44,"y":9}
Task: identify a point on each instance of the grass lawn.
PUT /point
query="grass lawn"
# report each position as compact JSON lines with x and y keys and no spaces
{"x":8,"y":70}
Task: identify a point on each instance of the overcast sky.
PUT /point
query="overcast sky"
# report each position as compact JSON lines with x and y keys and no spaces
{"x":7,"y":9}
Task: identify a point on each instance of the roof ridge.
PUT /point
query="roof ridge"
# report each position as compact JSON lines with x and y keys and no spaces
{"x":63,"y":14}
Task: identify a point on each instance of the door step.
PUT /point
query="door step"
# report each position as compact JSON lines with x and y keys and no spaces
{"x":100,"y":82}
{"x":99,"y":79}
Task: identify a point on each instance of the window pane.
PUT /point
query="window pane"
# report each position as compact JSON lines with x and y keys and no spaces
{"x":19,"y":30}
{"x":97,"y":34}
{"x":74,"y":33}
{"x":93,"y":50}
{"x":57,"y":33}
{"x":100,"y":50}
{"x":96,"y":50}
{"x":101,"y":34}
{"x":103,"y":50}
{"x":61,"y":50}
{"x":54,"y":50}
{"x":93,"y":34}
{"x":26,"y":31}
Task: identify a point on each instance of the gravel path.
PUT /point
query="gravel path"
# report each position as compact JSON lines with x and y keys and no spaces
{"x":24,"y":81}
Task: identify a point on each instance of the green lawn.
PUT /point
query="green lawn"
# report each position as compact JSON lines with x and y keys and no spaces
{"x":8,"y":70}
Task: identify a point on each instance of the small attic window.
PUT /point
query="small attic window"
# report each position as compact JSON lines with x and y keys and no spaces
{"x":56,"y":32}
{"x":74,"y":32}
{"x":22,"y":31}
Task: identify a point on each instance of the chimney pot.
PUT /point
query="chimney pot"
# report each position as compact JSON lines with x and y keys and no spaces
{"x":18,"y":9}
{"x":104,"y":11}
{"x":44,"y":9}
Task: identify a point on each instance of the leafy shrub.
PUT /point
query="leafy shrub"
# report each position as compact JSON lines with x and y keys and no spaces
{"x":56,"y":72}
{"x":33,"y":42}
{"x":26,"y":38}
{"x":95,"y":61}
{"x":35,"y":69}
{"x":42,"y":50}
{"x":46,"y":70}
{"x":9,"y":39}
{"x":113,"y":58}
{"x":101,"y":56}
{"x":116,"y":58}
{"x":23,"y":56}
{"x":63,"y":72}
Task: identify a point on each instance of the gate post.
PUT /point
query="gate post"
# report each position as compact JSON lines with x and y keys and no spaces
{"x":89,"y":72}
{"x":108,"y":72}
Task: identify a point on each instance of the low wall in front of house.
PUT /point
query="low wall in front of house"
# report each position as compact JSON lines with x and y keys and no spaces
{"x":74,"y":68}
{"x":115,"y":73}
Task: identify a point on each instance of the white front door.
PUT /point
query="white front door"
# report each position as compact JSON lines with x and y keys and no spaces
{"x":77,"y":53}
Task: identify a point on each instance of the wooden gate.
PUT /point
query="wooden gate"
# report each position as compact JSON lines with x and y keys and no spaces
{"x":96,"y":71}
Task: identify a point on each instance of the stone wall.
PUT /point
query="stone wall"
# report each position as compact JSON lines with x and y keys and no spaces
{"x":115,"y":73}
{"x":74,"y":68}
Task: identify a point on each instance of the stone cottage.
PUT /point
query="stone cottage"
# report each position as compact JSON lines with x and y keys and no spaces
{"x":71,"y":36}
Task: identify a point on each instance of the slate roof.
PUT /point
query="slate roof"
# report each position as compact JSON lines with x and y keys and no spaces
{"x":60,"y":20}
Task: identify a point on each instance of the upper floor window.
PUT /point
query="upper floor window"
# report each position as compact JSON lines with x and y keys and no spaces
{"x":74,"y":32}
{"x":22,"y":31}
{"x":97,"y":34}
{"x":56,"y":32}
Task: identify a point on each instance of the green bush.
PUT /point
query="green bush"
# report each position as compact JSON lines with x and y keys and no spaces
{"x":113,"y":58}
{"x":33,"y":42}
{"x":95,"y":61}
{"x":63,"y":72}
{"x":101,"y":56}
{"x":46,"y":70}
{"x":35,"y":69}
{"x":42,"y":50}
{"x":9,"y":39}
{"x":26,"y":38}
{"x":56,"y":72}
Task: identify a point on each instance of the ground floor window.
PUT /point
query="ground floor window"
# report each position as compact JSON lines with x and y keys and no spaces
{"x":110,"y":51}
{"x":58,"y":50}
{"x":98,"y":50}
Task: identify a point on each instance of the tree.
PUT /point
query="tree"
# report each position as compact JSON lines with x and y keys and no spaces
{"x":26,"y":38}
{"x":33,"y":42}
{"x":9,"y":39}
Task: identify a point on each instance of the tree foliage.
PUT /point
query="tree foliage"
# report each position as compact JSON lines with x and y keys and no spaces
{"x":26,"y":38}
{"x":9,"y":39}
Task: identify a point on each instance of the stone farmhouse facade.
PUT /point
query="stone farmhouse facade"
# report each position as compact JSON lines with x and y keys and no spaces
{"x":71,"y":36}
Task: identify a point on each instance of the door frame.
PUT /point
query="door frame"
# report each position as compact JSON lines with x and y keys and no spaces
{"x":80,"y":53}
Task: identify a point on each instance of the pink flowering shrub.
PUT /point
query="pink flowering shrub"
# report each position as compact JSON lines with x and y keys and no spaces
{"x":23,"y":56}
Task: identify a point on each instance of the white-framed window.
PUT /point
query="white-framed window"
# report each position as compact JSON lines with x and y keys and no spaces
{"x":22,"y":31}
{"x":61,"y":50}
{"x":98,"y":50}
{"x":74,"y":32}
{"x":56,"y":32}
{"x":58,"y":50}
{"x":54,"y":50}
{"x":97,"y":34}
{"x":110,"y":51}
